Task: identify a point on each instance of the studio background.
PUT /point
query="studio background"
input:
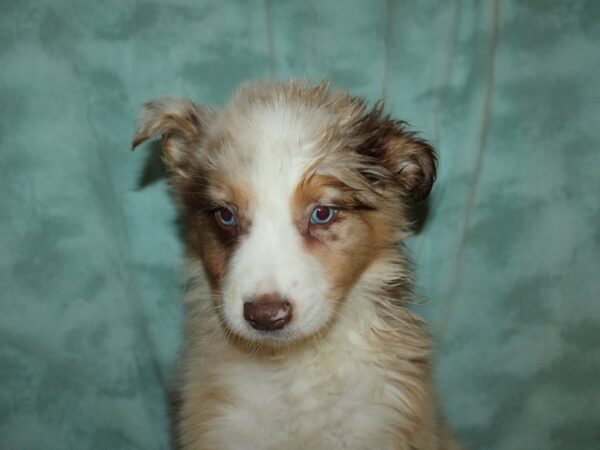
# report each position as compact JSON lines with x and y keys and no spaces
{"x":508,"y":257}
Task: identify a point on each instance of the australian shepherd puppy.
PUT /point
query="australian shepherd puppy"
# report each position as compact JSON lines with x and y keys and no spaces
{"x":294,"y":201}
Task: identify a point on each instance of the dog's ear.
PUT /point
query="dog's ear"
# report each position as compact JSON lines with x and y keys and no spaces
{"x":412,"y":162}
{"x":179,"y":122}
{"x":408,"y":160}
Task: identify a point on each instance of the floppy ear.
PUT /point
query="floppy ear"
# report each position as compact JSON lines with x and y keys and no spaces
{"x":408,"y":160}
{"x":179,"y":122}
{"x":413,"y":163}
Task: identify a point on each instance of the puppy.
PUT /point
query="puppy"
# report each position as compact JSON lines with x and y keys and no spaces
{"x":294,"y":200}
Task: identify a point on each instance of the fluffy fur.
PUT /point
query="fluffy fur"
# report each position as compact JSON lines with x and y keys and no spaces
{"x":350,"y":370}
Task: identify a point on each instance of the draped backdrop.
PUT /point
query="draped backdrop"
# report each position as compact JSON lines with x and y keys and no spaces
{"x":507,"y":248}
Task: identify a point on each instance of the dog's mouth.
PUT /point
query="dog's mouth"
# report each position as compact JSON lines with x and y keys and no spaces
{"x":275,"y":340}
{"x":274,"y":337}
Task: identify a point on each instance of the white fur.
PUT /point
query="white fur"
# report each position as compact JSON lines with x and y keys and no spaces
{"x":332,"y":396}
{"x":272,"y":258}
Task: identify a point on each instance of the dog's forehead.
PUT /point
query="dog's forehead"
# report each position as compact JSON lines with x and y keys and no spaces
{"x":268,"y":149}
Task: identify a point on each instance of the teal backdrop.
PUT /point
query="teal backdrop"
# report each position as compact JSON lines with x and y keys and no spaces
{"x":508,"y":257}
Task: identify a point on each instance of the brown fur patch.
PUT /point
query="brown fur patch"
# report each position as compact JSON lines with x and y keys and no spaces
{"x":205,"y":399}
{"x":213,"y":244}
{"x":351,"y":241}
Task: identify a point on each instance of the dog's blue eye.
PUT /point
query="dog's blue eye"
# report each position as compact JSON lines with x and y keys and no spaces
{"x":322,"y":215}
{"x":226,"y":217}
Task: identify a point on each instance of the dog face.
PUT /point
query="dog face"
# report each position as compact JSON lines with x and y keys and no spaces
{"x":288,"y":195}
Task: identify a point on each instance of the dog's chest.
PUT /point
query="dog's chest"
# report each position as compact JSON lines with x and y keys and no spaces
{"x":319,"y":402}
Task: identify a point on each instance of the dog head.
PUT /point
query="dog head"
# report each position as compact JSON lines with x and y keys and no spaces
{"x":288,"y":195}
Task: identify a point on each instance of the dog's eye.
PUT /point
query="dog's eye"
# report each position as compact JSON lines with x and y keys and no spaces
{"x":226,"y":217}
{"x":322,"y":215}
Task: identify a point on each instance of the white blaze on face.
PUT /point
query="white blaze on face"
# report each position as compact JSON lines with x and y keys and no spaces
{"x":271,"y":258}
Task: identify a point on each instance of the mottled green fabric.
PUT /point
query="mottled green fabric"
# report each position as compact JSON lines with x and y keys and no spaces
{"x":508,"y":253}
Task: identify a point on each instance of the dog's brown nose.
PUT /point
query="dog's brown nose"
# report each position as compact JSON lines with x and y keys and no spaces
{"x":267,"y":312}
